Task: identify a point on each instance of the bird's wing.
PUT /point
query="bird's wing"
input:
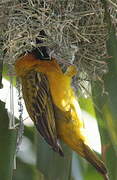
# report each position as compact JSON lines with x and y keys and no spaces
{"x":38,"y":100}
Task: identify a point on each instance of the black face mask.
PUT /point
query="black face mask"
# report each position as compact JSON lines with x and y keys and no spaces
{"x":41,"y":52}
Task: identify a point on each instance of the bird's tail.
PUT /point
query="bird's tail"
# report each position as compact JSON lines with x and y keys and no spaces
{"x":91,"y":157}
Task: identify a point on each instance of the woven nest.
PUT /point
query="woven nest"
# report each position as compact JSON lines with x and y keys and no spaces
{"x":76,"y":31}
{"x":113,"y":12}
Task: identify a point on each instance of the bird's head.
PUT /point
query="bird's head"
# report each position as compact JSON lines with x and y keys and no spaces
{"x":41,"y":51}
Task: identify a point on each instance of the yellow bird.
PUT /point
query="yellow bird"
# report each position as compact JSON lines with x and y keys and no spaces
{"x":52,"y":104}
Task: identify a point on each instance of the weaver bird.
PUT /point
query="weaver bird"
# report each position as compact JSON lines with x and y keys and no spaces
{"x":52,"y":103}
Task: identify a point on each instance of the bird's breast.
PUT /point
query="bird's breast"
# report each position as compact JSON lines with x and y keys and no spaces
{"x":60,"y":90}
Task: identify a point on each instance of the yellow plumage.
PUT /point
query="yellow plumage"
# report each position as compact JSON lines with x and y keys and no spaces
{"x":52,"y":105}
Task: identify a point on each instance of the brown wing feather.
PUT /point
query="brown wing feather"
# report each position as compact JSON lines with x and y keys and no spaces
{"x":38,"y":101}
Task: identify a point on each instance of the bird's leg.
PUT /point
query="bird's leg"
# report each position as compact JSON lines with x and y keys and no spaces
{"x":71,"y":71}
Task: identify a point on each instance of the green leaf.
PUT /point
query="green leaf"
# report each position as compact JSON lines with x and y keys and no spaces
{"x":7,"y":145}
{"x":87,"y":105}
{"x":110,"y":107}
{"x":107,"y":106}
{"x":51,"y":164}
